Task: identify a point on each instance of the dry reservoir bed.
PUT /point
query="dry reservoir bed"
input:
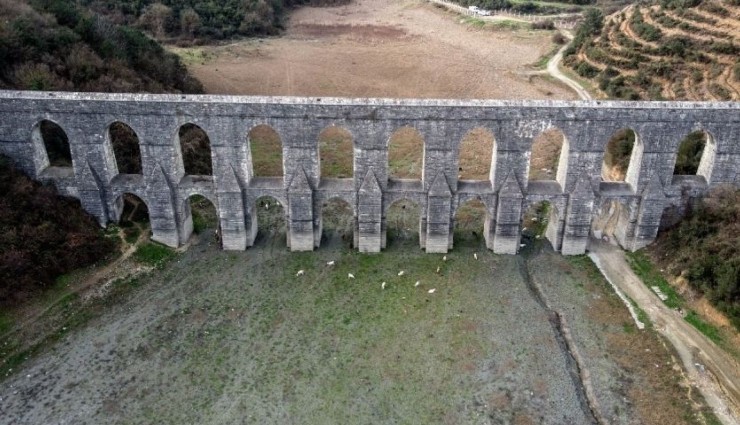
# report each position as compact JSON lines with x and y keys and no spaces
{"x":235,"y":337}
{"x":380,"y":48}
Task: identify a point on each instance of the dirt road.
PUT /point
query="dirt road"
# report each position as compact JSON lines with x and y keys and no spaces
{"x":553,"y":68}
{"x":709,"y":368}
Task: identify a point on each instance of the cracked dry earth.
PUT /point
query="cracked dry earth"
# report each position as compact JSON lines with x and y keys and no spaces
{"x":235,"y":337}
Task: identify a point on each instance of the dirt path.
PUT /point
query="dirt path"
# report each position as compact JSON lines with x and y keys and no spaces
{"x":553,"y":68}
{"x":709,"y":368}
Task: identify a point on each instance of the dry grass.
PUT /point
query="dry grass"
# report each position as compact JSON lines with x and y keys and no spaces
{"x":336,"y":151}
{"x":406,"y":154}
{"x":475,"y":155}
{"x":545,"y":155}
{"x":267,"y":151}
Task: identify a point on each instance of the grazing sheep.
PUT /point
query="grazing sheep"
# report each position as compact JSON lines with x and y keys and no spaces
{"x":431,"y":291}
{"x":330,"y":263}
{"x":438,"y":269}
{"x":401,"y":273}
{"x":382,"y":285}
{"x":417,"y":284}
{"x":444,"y":258}
{"x":350,"y":276}
{"x":300,"y":273}
{"x":475,"y":255}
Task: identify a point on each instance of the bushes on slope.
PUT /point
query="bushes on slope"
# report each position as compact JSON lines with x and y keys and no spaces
{"x":705,"y":248}
{"x":42,"y":235}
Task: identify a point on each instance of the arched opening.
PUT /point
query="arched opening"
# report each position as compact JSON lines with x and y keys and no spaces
{"x":403,"y":222}
{"x":126,"y":148}
{"x":203,"y":213}
{"x":267,"y":151}
{"x":470,"y":223}
{"x":336,"y":153}
{"x":690,"y":153}
{"x":540,"y":221}
{"x":133,"y":218}
{"x":546,"y":156}
{"x":476,"y":155}
{"x":196,"y":150}
{"x":56,"y":144}
{"x":406,"y":154}
{"x":271,"y":221}
{"x":337,"y":223}
{"x":618,"y":155}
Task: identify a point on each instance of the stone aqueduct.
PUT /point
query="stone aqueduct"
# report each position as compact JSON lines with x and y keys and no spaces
{"x":578,"y":194}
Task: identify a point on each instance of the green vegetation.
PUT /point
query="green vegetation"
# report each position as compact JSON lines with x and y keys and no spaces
{"x":42,"y":235}
{"x":59,"y":45}
{"x":186,"y":20}
{"x":618,"y":153}
{"x":689,"y":153}
{"x":710,"y":331}
{"x":643,"y":267}
{"x":196,"y":150}
{"x":704,"y":249}
{"x":644,"y":30}
{"x":658,"y":53}
{"x":153,"y":254}
{"x":203,"y":213}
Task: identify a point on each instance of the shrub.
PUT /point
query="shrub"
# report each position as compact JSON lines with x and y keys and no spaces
{"x":586,"y":70}
{"x":703,"y":247}
{"x":42,"y":235}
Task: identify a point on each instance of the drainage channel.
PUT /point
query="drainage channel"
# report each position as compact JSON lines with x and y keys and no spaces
{"x":574,"y":362}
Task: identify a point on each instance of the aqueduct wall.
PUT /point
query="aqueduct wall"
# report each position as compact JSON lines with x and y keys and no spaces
{"x":578,"y":195}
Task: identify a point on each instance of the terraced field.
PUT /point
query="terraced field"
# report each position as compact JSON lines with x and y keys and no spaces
{"x":664,"y":53}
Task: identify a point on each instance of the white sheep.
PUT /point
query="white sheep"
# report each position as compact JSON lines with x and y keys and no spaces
{"x":330,"y":263}
{"x":431,"y":291}
{"x":350,"y":276}
{"x":401,"y":273}
{"x":300,"y":273}
{"x":382,"y":285}
{"x":475,"y":255}
{"x":417,"y":284}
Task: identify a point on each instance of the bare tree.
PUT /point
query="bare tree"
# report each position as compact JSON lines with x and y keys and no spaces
{"x":189,"y":21}
{"x":155,"y":18}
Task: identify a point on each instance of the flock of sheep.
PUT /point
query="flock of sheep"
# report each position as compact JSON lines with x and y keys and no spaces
{"x":384,"y":284}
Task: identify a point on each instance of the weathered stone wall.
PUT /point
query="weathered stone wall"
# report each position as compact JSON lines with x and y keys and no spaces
{"x":577,"y":194}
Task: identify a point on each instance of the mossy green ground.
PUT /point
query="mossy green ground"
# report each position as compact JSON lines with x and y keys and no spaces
{"x":216,"y":337}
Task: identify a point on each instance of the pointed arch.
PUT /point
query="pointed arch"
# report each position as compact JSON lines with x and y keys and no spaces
{"x":195,"y":147}
{"x":337,"y":220}
{"x":618,"y":155}
{"x":132,"y":215}
{"x":126,"y":148}
{"x":476,"y":155}
{"x":202,"y":211}
{"x":52,"y":146}
{"x":266,"y":150}
{"x":470,"y":222}
{"x":269,"y":219}
{"x":695,"y":152}
{"x":336,"y":152}
{"x":548,"y":158}
{"x":406,"y":154}
{"x":541,"y":220}
{"x":403,"y":220}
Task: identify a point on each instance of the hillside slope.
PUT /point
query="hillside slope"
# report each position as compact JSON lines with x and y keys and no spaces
{"x":667,"y":51}
{"x":58,"y":45}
